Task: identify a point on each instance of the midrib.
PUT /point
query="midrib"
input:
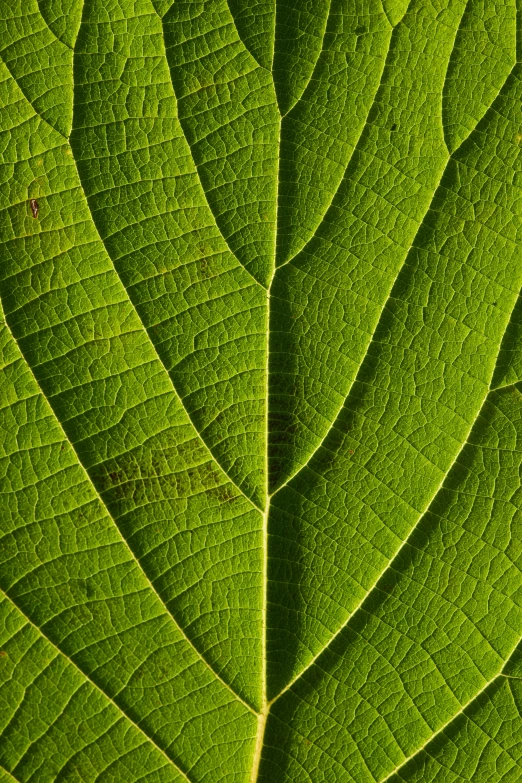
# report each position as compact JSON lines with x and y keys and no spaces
{"x":265,"y":709}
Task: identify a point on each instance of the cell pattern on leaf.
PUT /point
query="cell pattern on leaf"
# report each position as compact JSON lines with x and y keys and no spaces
{"x":260,"y":391}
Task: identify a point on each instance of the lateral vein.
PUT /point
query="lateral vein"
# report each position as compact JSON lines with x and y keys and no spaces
{"x":97,"y":687}
{"x":390,"y":564}
{"x":99,"y":498}
{"x":196,"y":169}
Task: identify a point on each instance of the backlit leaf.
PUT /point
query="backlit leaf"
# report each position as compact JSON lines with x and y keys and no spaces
{"x":260,"y":391}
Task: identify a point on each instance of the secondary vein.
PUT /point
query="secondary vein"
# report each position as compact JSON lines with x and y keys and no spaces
{"x":97,"y":687}
{"x":123,"y":540}
{"x":390,"y":565}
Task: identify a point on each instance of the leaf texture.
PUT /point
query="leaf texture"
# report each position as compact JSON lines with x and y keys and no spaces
{"x":260,"y":391}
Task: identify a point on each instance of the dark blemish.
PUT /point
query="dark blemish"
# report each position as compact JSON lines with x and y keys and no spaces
{"x":494,"y":304}
{"x":223,"y":494}
{"x":34,"y":207}
{"x":3,"y":654}
{"x":394,"y":126}
{"x":350,"y":451}
{"x":86,"y":589}
{"x":388,"y":588}
{"x":110,"y":482}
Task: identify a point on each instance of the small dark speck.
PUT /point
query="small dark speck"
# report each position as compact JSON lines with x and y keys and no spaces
{"x":3,"y":654}
{"x":34,"y":207}
{"x":394,"y":126}
{"x":494,"y":304}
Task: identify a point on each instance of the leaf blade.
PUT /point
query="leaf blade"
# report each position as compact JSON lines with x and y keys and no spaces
{"x":360,"y":619}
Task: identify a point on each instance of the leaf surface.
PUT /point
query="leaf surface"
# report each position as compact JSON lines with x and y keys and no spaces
{"x":261,"y":392}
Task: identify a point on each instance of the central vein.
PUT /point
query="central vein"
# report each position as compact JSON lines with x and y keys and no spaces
{"x":263,"y":715}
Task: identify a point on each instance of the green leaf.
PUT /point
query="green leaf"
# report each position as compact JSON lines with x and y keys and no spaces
{"x":260,"y":391}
